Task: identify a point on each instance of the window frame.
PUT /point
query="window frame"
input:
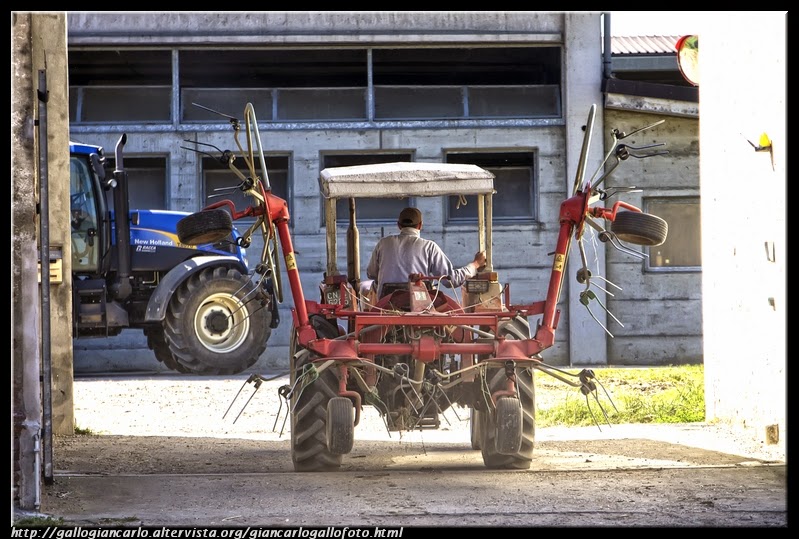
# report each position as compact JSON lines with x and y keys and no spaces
{"x":342,"y":217}
{"x":647,"y":204}
{"x":130,"y":163}
{"x":219,"y":169}
{"x":497,"y":153}
{"x":356,"y":66}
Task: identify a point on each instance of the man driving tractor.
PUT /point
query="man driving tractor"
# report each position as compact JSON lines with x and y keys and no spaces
{"x":400,"y":255}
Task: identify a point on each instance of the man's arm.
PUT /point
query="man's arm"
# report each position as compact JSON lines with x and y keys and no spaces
{"x":441,"y":265}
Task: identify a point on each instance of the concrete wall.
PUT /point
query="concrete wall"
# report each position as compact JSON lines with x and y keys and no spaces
{"x":25,"y":349}
{"x":743,"y":93}
{"x":315,"y":27}
{"x":521,"y":255}
{"x":661,"y":312}
{"x":583,"y":82}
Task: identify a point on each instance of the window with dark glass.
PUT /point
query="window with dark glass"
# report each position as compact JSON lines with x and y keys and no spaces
{"x":305,"y":85}
{"x":282,"y":84}
{"x":682,"y":249}
{"x":120,"y":86}
{"x":367,"y":209}
{"x":515,"y":185}
{"x":501,"y":82}
{"x":221,"y":183}
{"x":147,"y":182}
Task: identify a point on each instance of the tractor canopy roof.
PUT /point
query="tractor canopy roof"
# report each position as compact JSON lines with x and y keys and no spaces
{"x":404,"y":179}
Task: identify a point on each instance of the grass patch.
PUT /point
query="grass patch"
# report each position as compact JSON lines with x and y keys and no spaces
{"x":38,"y":522}
{"x":673,"y":394}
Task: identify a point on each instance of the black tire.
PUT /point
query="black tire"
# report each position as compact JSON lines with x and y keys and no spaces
{"x":340,"y":425}
{"x":209,"y":226}
{"x":214,"y":323}
{"x":309,"y":403}
{"x":157,"y":343}
{"x":509,"y":426}
{"x":640,"y":228}
{"x":494,"y":379}
{"x":475,"y":429}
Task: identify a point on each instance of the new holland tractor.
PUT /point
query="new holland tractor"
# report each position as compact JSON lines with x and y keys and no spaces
{"x":129,"y":270}
{"x":418,"y":350}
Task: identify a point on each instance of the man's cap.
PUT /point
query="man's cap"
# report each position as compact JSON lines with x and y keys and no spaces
{"x":409,"y":217}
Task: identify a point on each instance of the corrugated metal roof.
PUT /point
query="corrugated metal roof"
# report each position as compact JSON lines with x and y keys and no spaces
{"x":643,"y":44}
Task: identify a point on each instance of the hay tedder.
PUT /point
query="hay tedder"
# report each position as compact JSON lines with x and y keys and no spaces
{"x":421,"y":348}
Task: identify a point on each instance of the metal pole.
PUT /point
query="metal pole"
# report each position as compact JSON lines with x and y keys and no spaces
{"x":44,"y":259}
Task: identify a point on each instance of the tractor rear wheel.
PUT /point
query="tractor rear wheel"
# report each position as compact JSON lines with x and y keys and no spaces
{"x":214,"y":325}
{"x":157,"y":343}
{"x":312,"y":391}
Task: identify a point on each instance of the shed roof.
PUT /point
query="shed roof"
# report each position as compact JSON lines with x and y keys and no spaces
{"x":644,"y":44}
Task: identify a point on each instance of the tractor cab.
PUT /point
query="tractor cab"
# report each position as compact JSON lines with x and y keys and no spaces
{"x":87,"y":208}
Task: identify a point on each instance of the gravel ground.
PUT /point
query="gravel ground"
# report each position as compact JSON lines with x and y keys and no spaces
{"x":159,"y":450}
{"x":233,"y":407}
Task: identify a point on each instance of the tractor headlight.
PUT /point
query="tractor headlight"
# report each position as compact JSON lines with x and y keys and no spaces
{"x":477,"y":286}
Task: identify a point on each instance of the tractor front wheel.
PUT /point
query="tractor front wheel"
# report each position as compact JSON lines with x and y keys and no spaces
{"x":475,"y":429}
{"x":500,"y":423}
{"x":340,"y":425}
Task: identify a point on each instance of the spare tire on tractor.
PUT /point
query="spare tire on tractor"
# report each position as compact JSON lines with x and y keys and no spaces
{"x":207,"y":226}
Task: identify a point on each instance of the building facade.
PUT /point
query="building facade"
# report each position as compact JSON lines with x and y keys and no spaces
{"x":508,"y":91}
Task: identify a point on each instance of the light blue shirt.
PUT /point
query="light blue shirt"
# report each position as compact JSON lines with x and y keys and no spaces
{"x":395,"y":257}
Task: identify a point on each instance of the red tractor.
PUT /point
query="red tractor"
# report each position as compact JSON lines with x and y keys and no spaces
{"x":419,"y":350}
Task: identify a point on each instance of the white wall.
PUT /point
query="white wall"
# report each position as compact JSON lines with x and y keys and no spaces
{"x":742,"y":89}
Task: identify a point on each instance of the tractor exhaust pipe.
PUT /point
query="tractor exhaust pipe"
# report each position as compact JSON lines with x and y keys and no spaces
{"x":122,"y":287}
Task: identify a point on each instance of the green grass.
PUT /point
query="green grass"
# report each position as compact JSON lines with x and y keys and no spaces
{"x":84,"y":432}
{"x":38,"y":522}
{"x":673,"y":394}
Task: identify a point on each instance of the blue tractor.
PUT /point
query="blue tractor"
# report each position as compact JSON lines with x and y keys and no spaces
{"x":201,"y":308}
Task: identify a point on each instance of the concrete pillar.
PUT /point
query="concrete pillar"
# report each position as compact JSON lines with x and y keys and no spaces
{"x":583,"y":83}
{"x":25,"y":350}
{"x":38,"y":44}
{"x":49,"y":53}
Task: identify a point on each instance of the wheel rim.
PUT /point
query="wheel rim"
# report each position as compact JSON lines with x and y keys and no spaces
{"x":221,"y":323}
